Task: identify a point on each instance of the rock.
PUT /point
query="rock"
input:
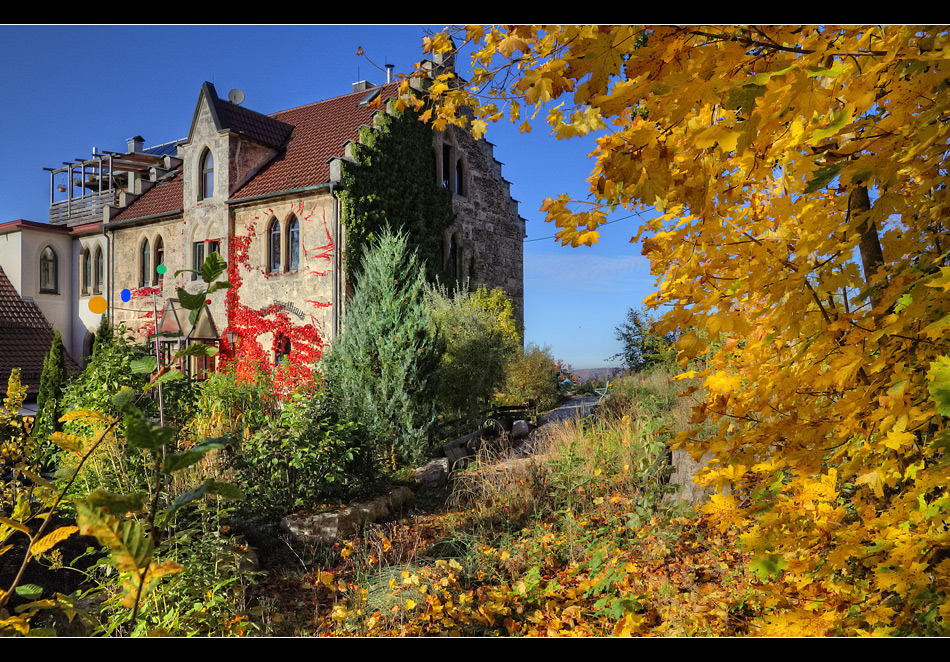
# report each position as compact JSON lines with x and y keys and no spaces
{"x":519,"y":430}
{"x":370,"y":511}
{"x":327,"y":527}
{"x":399,"y":498}
{"x":312,"y":528}
{"x":434,"y":473}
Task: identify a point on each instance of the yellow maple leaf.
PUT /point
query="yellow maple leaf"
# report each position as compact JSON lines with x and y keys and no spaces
{"x":722,"y":382}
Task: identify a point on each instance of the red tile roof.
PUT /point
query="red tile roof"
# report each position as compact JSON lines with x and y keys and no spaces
{"x":163,"y":198}
{"x":25,"y":339}
{"x":308,"y":137}
{"x":263,"y":129}
{"x":320,"y":132}
{"x":34,"y":225}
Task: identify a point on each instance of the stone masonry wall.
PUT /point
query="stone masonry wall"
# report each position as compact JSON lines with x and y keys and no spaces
{"x":488,"y":222}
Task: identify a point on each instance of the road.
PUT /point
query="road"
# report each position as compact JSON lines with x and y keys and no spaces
{"x":574,"y":408}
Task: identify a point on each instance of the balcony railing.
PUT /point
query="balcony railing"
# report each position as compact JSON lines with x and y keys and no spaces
{"x":77,"y":211}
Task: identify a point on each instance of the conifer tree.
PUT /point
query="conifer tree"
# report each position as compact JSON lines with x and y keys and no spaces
{"x":380,"y":372}
{"x":52,"y":381}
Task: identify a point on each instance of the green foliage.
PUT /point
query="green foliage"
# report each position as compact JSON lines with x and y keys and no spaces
{"x":19,"y":457}
{"x":642,"y":348}
{"x":299,"y":458}
{"x":481,"y":337}
{"x":391,"y":183}
{"x":235,"y":407}
{"x":381,"y":371}
{"x":108,"y":370}
{"x":49,"y":400}
{"x":208,"y":597}
{"x":532,"y":376}
{"x":134,"y":526}
{"x":105,"y":335}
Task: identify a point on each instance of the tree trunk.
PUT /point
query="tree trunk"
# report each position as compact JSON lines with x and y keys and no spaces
{"x":872,"y":257}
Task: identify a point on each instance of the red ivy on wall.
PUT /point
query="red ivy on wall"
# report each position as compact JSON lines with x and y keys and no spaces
{"x":250,"y":357}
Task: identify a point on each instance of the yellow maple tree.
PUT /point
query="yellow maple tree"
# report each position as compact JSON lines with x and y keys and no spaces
{"x":800,"y":179}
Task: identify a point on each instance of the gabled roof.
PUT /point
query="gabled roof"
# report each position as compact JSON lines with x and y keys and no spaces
{"x":228,"y":116}
{"x":306,"y":138}
{"x":21,"y":224}
{"x":163,"y":198}
{"x":25,"y":339}
{"x":320,"y":132}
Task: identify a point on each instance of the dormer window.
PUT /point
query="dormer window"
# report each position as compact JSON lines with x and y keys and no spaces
{"x":206,"y":183}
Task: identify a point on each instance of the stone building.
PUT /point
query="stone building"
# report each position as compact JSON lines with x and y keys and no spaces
{"x":262,"y":190}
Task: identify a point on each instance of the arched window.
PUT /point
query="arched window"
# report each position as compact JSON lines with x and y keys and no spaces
{"x":281,"y":348}
{"x":293,"y":244}
{"x":85,"y":265}
{"x":145,"y":265}
{"x":273,"y":247}
{"x":453,"y":259}
{"x":159,"y":260}
{"x":99,"y":272}
{"x":460,"y":177}
{"x":206,"y":183}
{"x":447,"y":166}
{"x":49,"y":271}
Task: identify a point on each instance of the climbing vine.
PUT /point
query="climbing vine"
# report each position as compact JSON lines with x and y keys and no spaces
{"x":391,"y":181}
{"x":305,"y":343}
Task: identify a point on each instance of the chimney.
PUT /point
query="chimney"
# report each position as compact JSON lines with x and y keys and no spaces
{"x":136,"y":144}
{"x":446,"y":61}
{"x":362,"y":86}
{"x":389,"y":72}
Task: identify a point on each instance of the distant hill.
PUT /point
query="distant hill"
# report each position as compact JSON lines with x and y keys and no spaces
{"x":586,"y":374}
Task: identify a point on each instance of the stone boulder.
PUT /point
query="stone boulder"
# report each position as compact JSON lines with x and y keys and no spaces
{"x":519,"y":430}
{"x":434,"y":473}
{"x":327,"y":527}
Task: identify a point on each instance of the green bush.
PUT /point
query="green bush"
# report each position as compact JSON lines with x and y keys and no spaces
{"x":481,"y":337}
{"x":532,"y":377}
{"x":301,"y":457}
{"x":226,"y":405}
{"x":49,"y":400}
{"x":114,"y":466}
{"x":208,"y":597}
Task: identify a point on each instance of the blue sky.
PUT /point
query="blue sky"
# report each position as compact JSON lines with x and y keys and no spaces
{"x":65,"y":90}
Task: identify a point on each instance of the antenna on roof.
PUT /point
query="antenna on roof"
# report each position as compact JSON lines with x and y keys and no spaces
{"x":236,"y":96}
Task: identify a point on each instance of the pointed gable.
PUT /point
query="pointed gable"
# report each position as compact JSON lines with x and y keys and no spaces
{"x":320,"y":133}
{"x":305,"y":140}
{"x":250,"y":124}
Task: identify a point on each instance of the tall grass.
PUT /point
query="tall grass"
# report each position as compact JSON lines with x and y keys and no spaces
{"x":614,"y":461}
